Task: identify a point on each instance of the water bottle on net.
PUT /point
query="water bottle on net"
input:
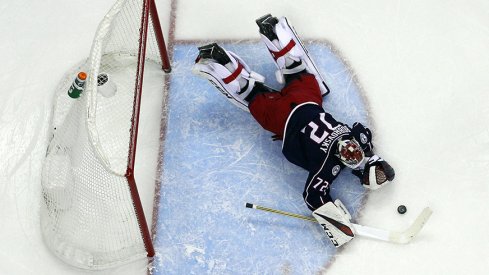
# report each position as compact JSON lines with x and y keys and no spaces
{"x":76,"y":88}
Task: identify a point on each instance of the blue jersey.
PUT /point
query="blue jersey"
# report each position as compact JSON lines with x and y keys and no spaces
{"x":310,"y":141}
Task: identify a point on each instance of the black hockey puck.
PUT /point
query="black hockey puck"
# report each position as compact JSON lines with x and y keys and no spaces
{"x":401,"y":209}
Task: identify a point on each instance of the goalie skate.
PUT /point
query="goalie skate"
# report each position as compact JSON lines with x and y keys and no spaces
{"x":227,"y":72}
{"x":287,"y":50}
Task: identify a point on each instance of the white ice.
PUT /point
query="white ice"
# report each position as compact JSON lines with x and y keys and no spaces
{"x":422,"y":65}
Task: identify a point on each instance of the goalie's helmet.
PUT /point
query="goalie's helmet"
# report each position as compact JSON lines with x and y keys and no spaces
{"x":350,"y":152}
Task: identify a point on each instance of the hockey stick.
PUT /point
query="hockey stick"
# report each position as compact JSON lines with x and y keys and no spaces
{"x":400,"y":237}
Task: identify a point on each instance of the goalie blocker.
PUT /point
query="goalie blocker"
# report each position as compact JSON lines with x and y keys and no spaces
{"x":335,"y":220}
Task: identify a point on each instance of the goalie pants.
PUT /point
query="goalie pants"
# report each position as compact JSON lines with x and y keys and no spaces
{"x":271,"y":109}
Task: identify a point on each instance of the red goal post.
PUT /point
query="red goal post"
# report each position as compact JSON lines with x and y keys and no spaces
{"x":91,"y":212}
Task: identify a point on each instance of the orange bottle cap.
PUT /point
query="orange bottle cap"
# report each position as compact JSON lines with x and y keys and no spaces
{"x":82,"y":75}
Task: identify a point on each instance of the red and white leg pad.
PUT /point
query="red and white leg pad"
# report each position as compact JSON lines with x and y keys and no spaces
{"x":289,"y":49}
{"x":226,"y":81}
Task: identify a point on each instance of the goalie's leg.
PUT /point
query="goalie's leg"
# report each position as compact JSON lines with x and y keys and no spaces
{"x":287,"y":50}
{"x":228,"y":73}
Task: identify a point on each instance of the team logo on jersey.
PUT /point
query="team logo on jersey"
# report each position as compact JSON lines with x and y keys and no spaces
{"x":363,"y":138}
{"x":336,"y":170}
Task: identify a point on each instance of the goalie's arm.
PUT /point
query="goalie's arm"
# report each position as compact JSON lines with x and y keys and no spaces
{"x":316,"y":190}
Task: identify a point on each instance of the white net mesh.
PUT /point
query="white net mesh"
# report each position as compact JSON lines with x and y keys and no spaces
{"x":88,"y":215}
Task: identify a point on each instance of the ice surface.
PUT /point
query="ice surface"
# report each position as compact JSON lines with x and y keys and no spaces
{"x":217,"y":158}
{"x":423,"y":67}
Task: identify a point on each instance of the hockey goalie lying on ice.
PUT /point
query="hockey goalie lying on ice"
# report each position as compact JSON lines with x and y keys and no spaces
{"x":312,"y":138}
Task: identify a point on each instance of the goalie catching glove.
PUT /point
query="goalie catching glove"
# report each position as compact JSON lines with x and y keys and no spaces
{"x":335,"y":221}
{"x":377,"y":173}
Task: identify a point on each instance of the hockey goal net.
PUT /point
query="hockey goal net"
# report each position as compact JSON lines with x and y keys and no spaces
{"x":91,"y":213}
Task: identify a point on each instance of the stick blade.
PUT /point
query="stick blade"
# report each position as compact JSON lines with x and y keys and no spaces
{"x":407,"y":235}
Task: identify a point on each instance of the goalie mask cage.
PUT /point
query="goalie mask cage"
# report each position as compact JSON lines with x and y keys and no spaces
{"x":91,"y":213}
